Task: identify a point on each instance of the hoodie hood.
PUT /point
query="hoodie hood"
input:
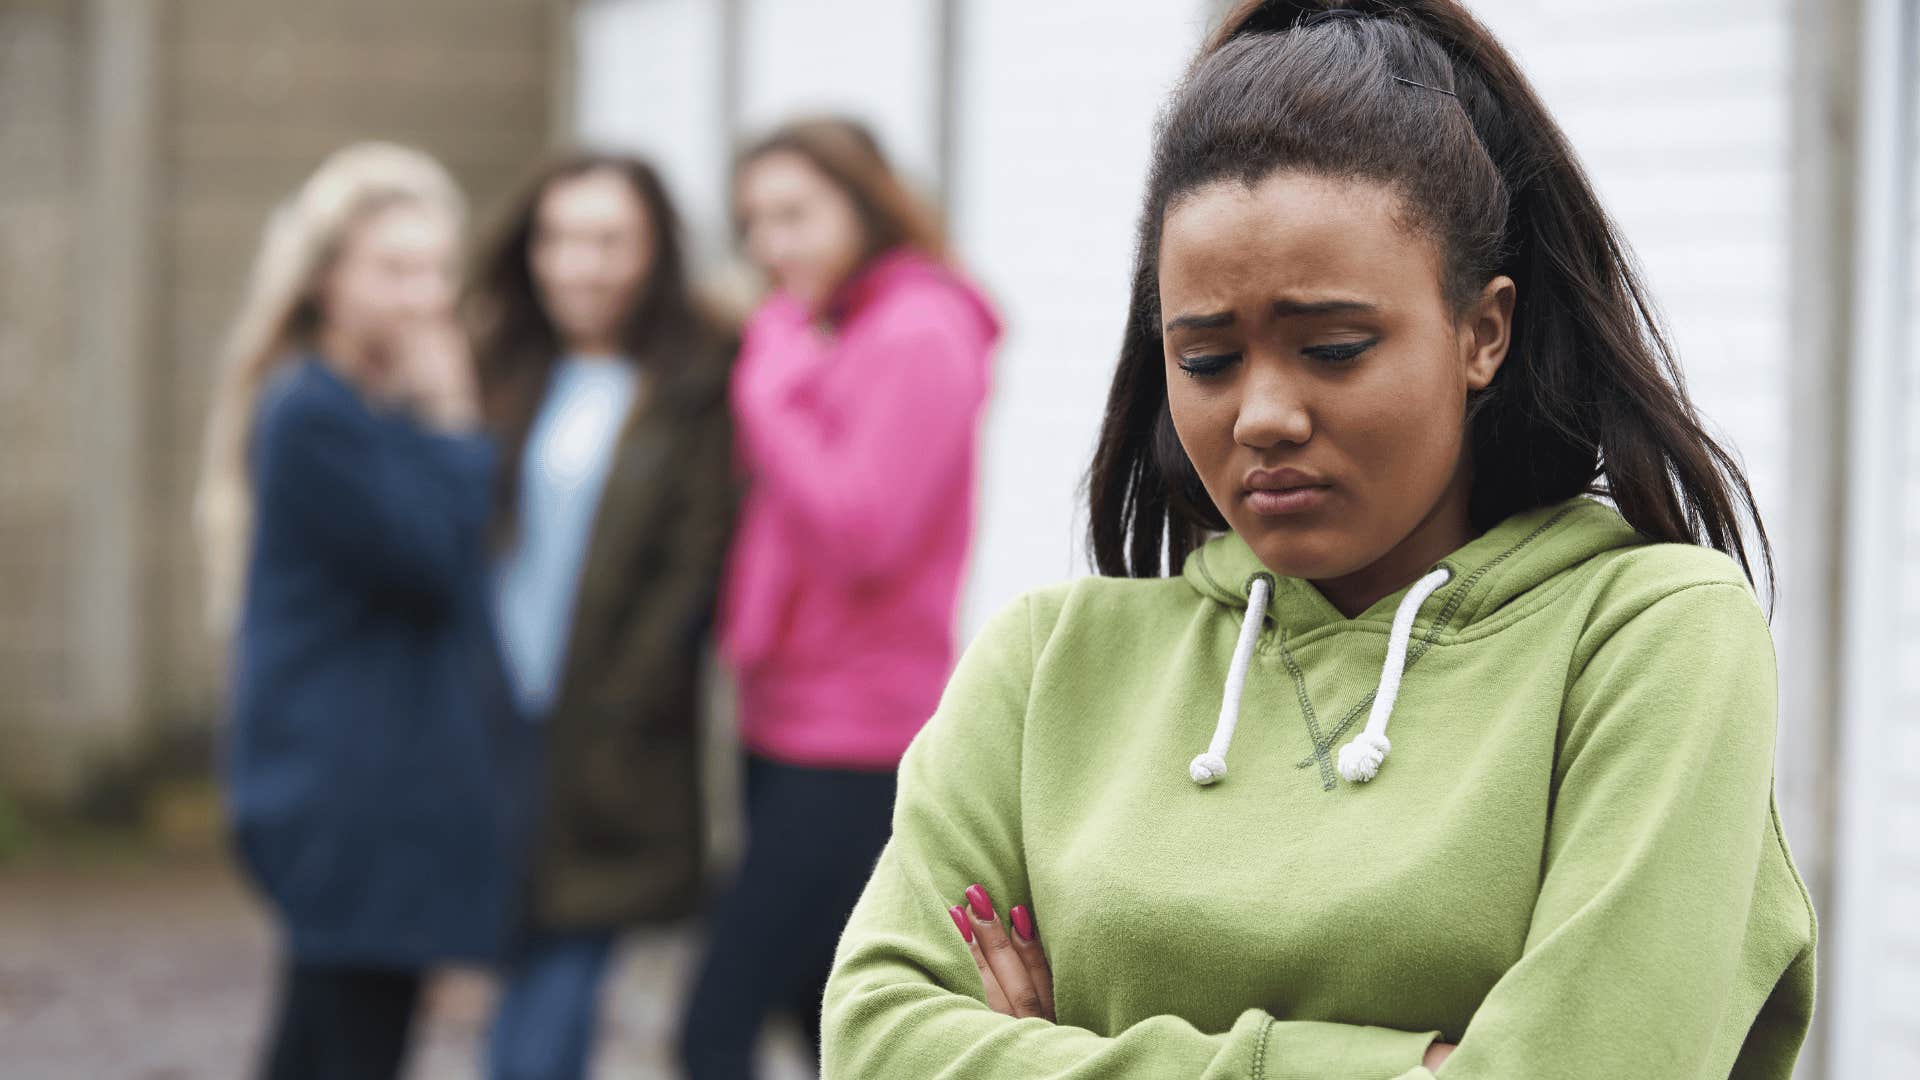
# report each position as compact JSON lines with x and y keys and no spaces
{"x":1486,"y":573}
{"x":1469,"y":585}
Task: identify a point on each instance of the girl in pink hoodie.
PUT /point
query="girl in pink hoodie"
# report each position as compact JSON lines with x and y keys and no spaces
{"x":857,"y":399}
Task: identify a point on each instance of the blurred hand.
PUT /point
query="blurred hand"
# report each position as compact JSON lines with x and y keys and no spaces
{"x":434,"y":372}
{"x":1436,"y":1054}
{"x":1013,"y":967}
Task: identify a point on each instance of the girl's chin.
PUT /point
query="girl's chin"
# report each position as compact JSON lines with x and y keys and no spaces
{"x":1314,"y":554}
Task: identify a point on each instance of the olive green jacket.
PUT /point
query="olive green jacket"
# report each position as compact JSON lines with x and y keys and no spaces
{"x":618,"y":830}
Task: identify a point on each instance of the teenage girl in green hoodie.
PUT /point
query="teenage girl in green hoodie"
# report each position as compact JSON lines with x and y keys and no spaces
{"x":1383,"y":345}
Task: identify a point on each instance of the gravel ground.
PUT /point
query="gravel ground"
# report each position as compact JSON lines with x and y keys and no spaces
{"x":158,"y":969}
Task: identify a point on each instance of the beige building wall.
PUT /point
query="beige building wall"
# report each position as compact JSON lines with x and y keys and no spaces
{"x":143,"y":143}
{"x":41,"y":70}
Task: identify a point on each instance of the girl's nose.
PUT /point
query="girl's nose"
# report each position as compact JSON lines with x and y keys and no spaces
{"x":1273,"y":409}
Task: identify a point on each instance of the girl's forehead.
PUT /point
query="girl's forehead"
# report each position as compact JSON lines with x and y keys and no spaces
{"x":1291,"y":235}
{"x":591,"y":196}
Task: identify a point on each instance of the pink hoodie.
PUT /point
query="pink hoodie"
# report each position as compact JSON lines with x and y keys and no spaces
{"x":838,"y":611}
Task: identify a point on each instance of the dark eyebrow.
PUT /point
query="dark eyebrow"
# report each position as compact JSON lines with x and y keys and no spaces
{"x":1286,"y":308}
{"x":1214,"y":321}
{"x":1282,"y":308}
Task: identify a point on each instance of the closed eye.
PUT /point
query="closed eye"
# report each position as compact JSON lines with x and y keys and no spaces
{"x":1202,"y":366}
{"x":1342,"y":353}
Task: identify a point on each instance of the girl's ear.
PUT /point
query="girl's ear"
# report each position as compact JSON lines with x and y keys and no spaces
{"x":1487,"y":330}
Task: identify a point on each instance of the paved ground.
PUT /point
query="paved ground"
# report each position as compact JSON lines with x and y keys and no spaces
{"x":152,"y":969}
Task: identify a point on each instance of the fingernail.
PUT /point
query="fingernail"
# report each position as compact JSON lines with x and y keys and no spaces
{"x":982,"y":903}
{"x":960,"y":920}
{"x":1023,"y":923}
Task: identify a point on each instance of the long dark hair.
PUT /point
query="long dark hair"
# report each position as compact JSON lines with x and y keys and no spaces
{"x":848,"y":153}
{"x":1419,"y":96}
{"x":516,"y":345}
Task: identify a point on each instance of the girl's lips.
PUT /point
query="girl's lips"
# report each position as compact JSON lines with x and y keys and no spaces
{"x":1285,"y":501}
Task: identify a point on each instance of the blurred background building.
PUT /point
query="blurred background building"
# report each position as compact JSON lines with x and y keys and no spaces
{"x":1760,"y":154}
{"x":142,"y":143}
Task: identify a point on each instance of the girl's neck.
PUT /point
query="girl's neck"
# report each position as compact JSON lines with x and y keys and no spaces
{"x":593,"y":349}
{"x":1445,"y":528}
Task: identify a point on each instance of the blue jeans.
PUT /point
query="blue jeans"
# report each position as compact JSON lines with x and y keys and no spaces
{"x":543,"y":1029}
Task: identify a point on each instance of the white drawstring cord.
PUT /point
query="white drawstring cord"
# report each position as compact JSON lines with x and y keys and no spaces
{"x":1360,"y":759}
{"x":1212,"y":765}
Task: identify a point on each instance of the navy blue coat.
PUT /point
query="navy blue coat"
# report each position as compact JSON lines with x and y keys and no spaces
{"x":369,"y":786}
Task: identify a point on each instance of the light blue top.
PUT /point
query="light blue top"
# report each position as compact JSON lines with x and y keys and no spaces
{"x":562,"y":473}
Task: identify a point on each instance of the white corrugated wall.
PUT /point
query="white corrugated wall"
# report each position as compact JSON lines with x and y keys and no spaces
{"x":1058,"y":101}
{"x":1873,"y":932}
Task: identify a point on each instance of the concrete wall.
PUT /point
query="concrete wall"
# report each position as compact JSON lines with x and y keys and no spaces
{"x":42,"y":109}
{"x":145,"y":141}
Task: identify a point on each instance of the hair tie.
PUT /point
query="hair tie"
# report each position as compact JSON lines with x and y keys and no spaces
{"x":1424,"y":86}
{"x":1325,"y":15}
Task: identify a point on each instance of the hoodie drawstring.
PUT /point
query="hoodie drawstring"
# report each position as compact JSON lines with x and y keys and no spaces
{"x":1360,"y":759}
{"x":1212,"y":765}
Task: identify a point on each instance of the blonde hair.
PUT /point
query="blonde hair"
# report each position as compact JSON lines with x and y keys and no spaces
{"x":280,"y":315}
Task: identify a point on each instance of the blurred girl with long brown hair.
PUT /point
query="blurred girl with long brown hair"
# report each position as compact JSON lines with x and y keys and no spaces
{"x":858,"y":396}
{"x":605,"y":381}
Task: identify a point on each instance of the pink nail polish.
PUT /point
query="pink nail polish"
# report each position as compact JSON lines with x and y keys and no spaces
{"x":1023,"y":923}
{"x":982,"y":903}
{"x":960,"y":920}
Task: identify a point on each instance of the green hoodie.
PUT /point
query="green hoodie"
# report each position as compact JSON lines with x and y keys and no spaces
{"x":1569,"y":863}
